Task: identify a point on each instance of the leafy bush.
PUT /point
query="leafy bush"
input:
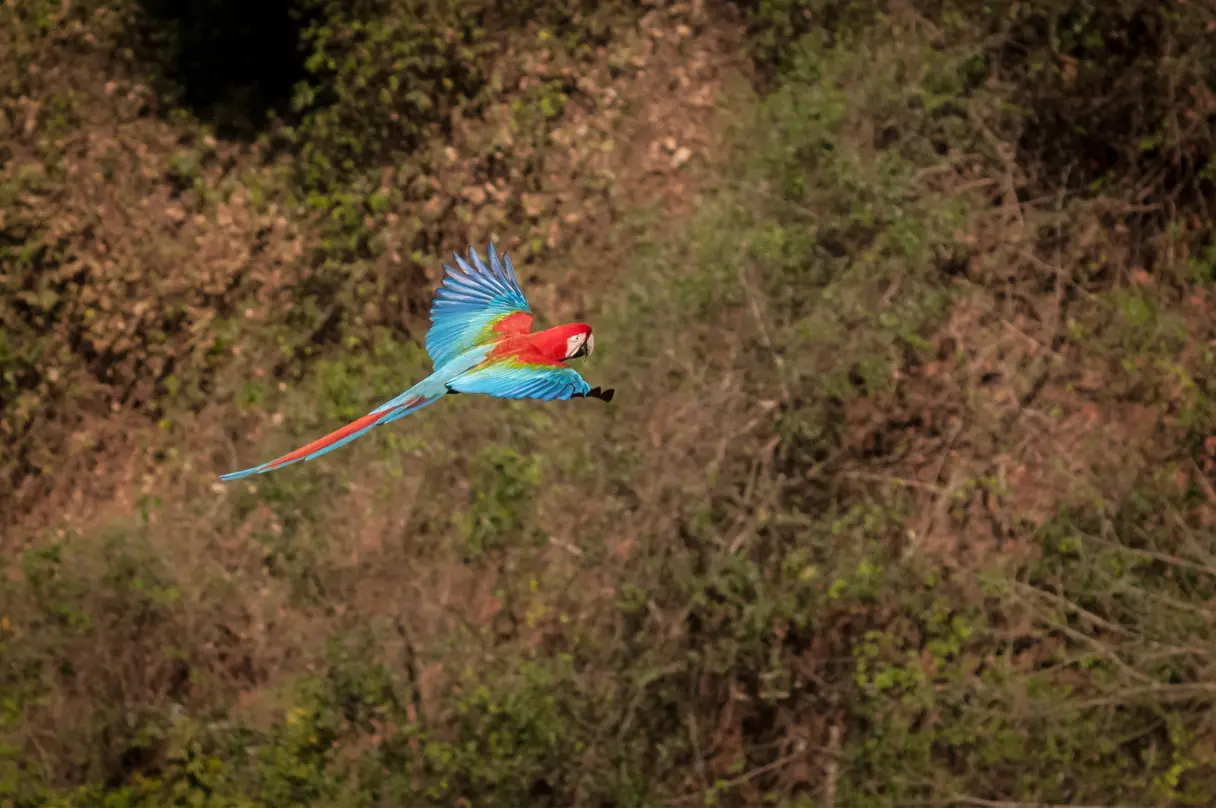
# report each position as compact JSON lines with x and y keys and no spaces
{"x":102,"y":646}
{"x":1116,"y":96}
{"x":1112,"y":99}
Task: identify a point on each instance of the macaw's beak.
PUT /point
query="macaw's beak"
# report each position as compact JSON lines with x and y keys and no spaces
{"x":585,"y":349}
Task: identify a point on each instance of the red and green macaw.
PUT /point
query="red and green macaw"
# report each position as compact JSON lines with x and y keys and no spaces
{"x":480,"y":341}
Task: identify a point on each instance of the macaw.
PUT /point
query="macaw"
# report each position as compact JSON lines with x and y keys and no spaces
{"x":480,"y":341}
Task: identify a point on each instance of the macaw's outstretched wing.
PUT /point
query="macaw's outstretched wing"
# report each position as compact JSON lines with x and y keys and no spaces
{"x":474,"y":305}
{"x":511,"y":378}
{"x":400,"y":406}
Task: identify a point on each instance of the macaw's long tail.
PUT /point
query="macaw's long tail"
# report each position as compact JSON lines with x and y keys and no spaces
{"x":420,"y":395}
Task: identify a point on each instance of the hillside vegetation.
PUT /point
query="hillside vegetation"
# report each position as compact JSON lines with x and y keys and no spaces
{"x":906,"y":497}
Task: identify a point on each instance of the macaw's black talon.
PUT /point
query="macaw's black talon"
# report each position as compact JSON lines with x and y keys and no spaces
{"x":602,"y":395}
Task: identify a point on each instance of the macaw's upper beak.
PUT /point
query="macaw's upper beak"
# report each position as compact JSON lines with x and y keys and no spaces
{"x":590,"y":344}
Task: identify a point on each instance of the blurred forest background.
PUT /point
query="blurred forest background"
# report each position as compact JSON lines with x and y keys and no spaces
{"x":906,"y":497}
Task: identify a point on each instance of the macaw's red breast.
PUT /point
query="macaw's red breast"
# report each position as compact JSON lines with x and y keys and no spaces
{"x":546,"y":347}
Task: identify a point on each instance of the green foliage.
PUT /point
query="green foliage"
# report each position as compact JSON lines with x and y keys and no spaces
{"x":777,"y":26}
{"x":516,"y":739}
{"x":381,"y":75}
{"x":1106,"y":86}
{"x":952,"y":689}
{"x":502,"y":486}
{"x":102,"y":628}
{"x":1101,"y":96}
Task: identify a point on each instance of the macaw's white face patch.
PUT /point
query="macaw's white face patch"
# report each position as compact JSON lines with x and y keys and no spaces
{"x":579,"y":345}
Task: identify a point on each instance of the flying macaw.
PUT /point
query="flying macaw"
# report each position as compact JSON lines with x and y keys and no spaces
{"x":480,"y":341}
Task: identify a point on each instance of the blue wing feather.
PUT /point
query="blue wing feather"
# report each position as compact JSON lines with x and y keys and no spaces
{"x":508,"y":380}
{"x":469,"y":301}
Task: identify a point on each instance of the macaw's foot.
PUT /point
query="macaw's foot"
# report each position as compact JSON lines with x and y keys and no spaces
{"x":600,"y":393}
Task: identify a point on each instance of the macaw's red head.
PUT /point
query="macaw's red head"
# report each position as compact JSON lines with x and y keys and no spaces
{"x":562,"y":342}
{"x":579,"y":341}
{"x":551,"y":346}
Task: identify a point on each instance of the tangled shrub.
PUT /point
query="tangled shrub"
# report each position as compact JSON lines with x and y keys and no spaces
{"x":1107,"y":97}
{"x":1117,"y":96}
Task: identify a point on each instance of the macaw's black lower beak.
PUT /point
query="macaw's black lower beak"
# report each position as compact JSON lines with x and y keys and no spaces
{"x":601,"y":394}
